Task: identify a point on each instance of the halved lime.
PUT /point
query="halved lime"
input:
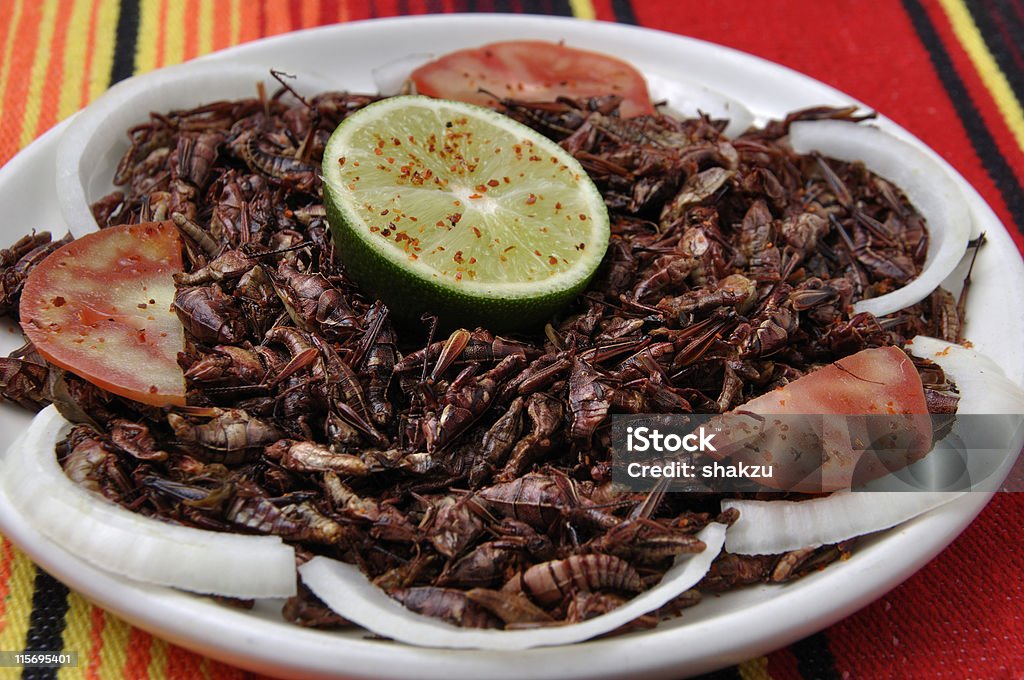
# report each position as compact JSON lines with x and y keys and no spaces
{"x":450,"y":208}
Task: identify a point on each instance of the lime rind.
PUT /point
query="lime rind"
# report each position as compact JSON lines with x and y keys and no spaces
{"x":459,"y":207}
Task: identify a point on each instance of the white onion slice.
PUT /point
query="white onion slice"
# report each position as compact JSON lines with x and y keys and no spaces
{"x":983,"y":386}
{"x":770,"y":527}
{"x":981,"y":450}
{"x":348,"y":592}
{"x":91,"y":147}
{"x":125,"y":543}
{"x":689,"y":99}
{"x":922,"y":178}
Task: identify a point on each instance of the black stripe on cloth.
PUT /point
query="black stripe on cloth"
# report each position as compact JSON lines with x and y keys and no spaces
{"x":559,"y":8}
{"x":1003,"y":31}
{"x":623,"y":11}
{"x":46,"y":622}
{"x":481,"y":6}
{"x":124,"y":41}
{"x":981,"y":138}
{"x":814,"y":659}
{"x":730,"y":673}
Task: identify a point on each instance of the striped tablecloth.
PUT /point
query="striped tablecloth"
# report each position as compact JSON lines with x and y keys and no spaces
{"x":949,"y":71}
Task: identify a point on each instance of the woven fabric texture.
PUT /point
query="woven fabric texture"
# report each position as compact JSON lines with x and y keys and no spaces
{"x":950,"y":71}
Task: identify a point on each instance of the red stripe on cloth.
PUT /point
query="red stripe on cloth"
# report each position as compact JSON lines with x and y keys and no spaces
{"x":328,"y":12}
{"x":970,"y":627}
{"x":219,"y":671}
{"x":385,"y":8}
{"x":99,"y":622}
{"x":782,"y":666}
{"x":354,"y":10}
{"x":277,"y":18}
{"x":54,"y":73}
{"x":311,"y":13}
{"x":603,"y":10}
{"x":989,"y":111}
{"x":259,"y":16}
{"x":182,"y":663}
{"x":137,"y":655}
{"x":161,"y":36}
{"x":418,"y":7}
{"x":249,"y":20}
{"x":6,"y":16}
{"x":221,"y":25}
{"x":191,"y":29}
{"x":6,"y":560}
{"x":295,"y":13}
{"x":90,"y":49}
{"x":16,"y":95}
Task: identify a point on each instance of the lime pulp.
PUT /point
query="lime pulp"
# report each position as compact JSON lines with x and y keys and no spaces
{"x":454,"y":209}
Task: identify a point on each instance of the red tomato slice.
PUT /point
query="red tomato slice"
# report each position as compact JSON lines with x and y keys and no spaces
{"x":874,"y":382}
{"x":100,"y":307}
{"x":532,"y":70}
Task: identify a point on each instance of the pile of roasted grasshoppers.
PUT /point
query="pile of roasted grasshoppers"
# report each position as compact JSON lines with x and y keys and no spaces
{"x":467,"y":473}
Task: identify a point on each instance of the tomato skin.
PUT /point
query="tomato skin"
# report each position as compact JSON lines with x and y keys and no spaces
{"x":100,"y":307}
{"x":532,"y":70}
{"x":818,"y":454}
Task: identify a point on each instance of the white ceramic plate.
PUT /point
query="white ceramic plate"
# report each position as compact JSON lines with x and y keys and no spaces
{"x":721,"y":630}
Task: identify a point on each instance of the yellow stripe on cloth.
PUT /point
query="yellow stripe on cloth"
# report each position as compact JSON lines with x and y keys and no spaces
{"x":974,"y":44}
{"x":755,"y":669}
{"x":115,"y":637}
{"x":103,"y":48}
{"x":158,"y":659}
{"x":76,"y":47}
{"x":77,"y":629}
{"x":174,"y":33}
{"x":582,"y":9}
{"x":14,"y":625}
{"x":37,"y":79}
{"x":146,"y":45}
{"x":205,"y":27}
{"x":5,"y":63}
{"x":236,"y":21}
